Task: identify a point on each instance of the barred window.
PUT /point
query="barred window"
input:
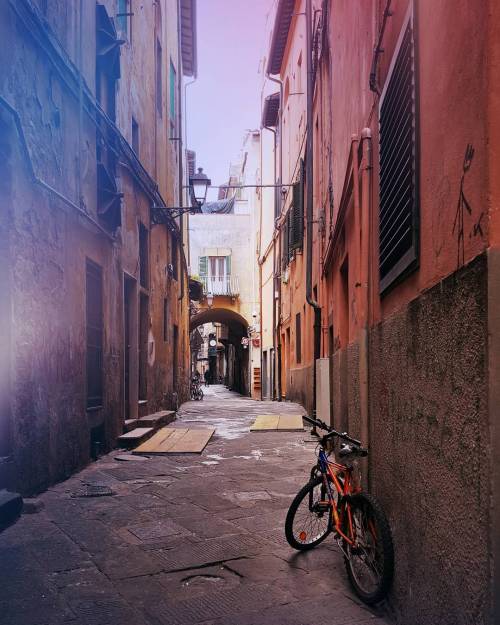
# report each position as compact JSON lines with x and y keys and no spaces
{"x":398,"y":244}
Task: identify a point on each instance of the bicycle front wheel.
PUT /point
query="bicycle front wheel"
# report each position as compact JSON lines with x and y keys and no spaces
{"x":308,"y":521}
{"x":370,"y":564}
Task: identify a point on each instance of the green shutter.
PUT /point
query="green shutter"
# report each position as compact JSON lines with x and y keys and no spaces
{"x":202,"y":266}
{"x":297,"y":225}
{"x":228,"y":265}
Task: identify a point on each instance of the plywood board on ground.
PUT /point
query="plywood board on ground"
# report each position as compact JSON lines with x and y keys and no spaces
{"x":286,"y":423}
{"x":176,"y":441}
{"x":265,"y":422}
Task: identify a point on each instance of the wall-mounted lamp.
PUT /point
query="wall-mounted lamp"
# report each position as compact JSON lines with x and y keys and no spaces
{"x":198,"y":187}
{"x":210,"y":300}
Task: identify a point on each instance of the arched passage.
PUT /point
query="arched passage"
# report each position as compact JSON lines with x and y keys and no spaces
{"x":237,"y":358}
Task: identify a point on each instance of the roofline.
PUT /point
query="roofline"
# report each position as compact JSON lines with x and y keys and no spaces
{"x":188,"y":37}
{"x":284,"y":14}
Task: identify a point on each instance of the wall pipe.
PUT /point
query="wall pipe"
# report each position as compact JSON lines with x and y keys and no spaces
{"x":309,"y":202}
{"x":180,"y":170}
{"x":277,"y":326}
{"x":272,"y":364}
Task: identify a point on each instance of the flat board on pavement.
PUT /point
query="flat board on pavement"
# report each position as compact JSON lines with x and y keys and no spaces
{"x":176,"y":441}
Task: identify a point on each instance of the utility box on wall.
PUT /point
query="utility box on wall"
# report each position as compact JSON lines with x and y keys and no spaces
{"x":323,"y":389}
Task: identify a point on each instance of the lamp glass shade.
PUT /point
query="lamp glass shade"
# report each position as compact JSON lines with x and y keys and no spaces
{"x":199,"y":184}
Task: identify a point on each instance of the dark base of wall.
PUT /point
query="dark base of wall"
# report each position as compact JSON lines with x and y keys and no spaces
{"x":429,"y":442}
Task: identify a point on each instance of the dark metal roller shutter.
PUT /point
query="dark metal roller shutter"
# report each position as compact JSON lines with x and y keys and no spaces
{"x":398,"y":185}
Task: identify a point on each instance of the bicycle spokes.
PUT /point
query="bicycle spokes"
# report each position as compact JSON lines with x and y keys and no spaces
{"x":366,"y":555}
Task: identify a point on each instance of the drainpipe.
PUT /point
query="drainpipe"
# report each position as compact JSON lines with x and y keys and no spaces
{"x":179,"y":132}
{"x":277,"y":332}
{"x":272,"y":364}
{"x":365,"y":280}
{"x":309,"y":203}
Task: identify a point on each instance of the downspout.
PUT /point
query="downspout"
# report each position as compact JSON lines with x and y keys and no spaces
{"x":179,"y":132}
{"x":277,"y":327}
{"x":80,"y":102}
{"x":309,"y":203}
{"x":272,"y":364}
{"x":365,"y":283}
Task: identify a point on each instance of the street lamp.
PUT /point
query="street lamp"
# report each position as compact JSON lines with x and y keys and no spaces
{"x":210,"y":299}
{"x":198,"y":187}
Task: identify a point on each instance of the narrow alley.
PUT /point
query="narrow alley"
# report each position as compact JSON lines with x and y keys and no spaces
{"x":182,"y":539}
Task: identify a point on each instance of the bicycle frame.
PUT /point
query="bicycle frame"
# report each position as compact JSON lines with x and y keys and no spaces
{"x":332,"y":470}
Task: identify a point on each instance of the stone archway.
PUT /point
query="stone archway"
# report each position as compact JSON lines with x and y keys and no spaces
{"x":237,"y":356}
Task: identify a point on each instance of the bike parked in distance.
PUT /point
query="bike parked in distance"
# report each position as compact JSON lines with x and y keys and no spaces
{"x":334,"y":502}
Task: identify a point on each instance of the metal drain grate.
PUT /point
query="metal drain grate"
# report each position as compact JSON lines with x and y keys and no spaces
{"x":93,"y":490}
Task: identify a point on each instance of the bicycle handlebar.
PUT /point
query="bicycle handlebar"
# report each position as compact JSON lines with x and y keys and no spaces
{"x":331,"y":431}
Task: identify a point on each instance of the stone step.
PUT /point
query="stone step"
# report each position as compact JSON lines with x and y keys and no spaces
{"x":135,"y":437}
{"x":11,"y":505}
{"x":157,"y":419}
{"x":129,"y":424}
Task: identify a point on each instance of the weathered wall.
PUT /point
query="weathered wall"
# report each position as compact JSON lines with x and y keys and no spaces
{"x":429,"y":442}
{"x":46,"y":242}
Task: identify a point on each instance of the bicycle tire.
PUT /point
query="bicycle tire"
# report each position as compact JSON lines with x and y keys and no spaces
{"x":379,"y":535}
{"x":299,"y":542}
{"x":199,"y":394}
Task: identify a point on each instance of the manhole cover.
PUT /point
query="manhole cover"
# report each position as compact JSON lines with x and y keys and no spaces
{"x":93,"y":490}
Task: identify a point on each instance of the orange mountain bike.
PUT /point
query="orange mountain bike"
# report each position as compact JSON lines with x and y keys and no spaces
{"x":332,"y":501}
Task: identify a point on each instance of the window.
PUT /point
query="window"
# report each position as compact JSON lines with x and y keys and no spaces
{"x":175,"y":258}
{"x":298,"y":339}
{"x":297,"y":212}
{"x":298,"y":87}
{"x":165,"y":320}
{"x":94,"y":332}
{"x":143,"y":255}
{"x":175,"y":358}
{"x":173,"y":99}
{"x":398,"y":213}
{"x":124,"y":18}
{"x":159,"y":79}
{"x":135,"y":136}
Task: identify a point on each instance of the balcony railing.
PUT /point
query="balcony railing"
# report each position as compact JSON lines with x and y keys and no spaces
{"x":221,"y":285}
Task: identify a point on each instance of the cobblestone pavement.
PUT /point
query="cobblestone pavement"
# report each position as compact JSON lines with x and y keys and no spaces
{"x":183,"y":540}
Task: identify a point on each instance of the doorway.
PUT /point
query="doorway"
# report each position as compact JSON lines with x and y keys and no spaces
{"x":129,"y":301}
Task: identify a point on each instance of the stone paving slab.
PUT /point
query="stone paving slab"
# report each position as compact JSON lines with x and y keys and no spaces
{"x":185,"y":540}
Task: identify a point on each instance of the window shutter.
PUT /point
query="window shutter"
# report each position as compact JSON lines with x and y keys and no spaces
{"x":202,"y":266}
{"x":284,"y":244}
{"x":289,"y":219}
{"x":398,"y":212}
{"x":228,"y":265}
{"x":297,"y":238}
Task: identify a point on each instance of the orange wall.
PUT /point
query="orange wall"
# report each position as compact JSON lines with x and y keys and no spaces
{"x":451,"y":47}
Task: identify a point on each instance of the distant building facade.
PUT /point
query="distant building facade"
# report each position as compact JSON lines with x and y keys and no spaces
{"x":222,"y":248}
{"x":94,"y":278}
{"x":384,"y":256}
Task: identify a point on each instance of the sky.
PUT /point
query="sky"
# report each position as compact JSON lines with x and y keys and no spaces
{"x":225,"y":99}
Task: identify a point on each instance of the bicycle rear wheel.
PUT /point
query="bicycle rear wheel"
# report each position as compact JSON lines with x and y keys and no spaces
{"x":370,"y":565}
{"x":308,"y":521}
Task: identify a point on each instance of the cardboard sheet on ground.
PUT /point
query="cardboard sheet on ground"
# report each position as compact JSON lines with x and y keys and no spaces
{"x":273,"y":422}
{"x":176,"y":441}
